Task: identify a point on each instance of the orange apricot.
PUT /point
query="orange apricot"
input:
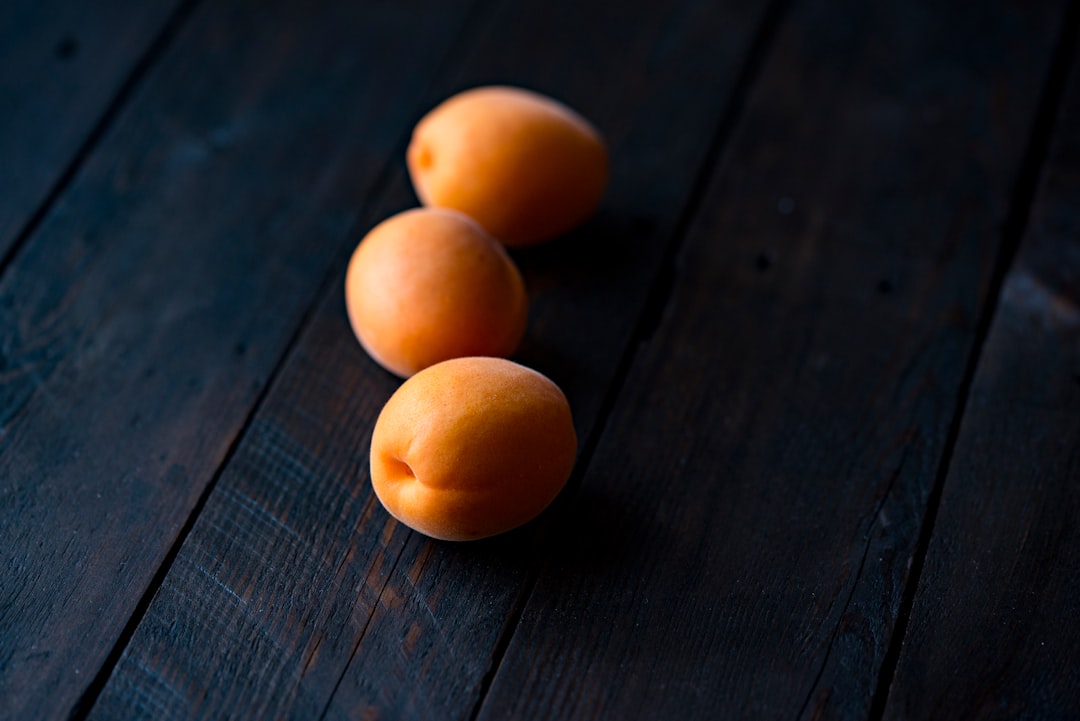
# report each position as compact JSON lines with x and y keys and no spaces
{"x":525,"y":166}
{"x":427,"y":285}
{"x":472,"y":447}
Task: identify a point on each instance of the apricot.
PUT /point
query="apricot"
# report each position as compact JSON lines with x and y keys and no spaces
{"x":472,"y":447}
{"x":427,"y":285}
{"x":525,"y":166}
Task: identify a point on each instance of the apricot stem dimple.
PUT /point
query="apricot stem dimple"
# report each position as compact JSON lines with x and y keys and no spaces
{"x":402,"y":469}
{"x":424,"y":158}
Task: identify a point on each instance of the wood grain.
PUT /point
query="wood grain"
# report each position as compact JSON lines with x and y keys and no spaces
{"x":141,"y":321}
{"x":62,"y":63}
{"x":741,"y":538}
{"x":369,"y":619}
{"x":992,"y":633}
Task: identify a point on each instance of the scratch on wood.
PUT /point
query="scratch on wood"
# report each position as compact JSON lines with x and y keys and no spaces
{"x":1026,"y":292}
{"x":874,"y":520}
{"x":313,"y":656}
{"x":259,"y":511}
{"x":239,"y":601}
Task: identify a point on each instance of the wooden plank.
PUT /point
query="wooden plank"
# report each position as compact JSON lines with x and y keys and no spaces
{"x":62,"y":63}
{"x":992,"y":633}
{"x":140,"y":323}
{"x":741,"y":539}
{"x":295,"y":592}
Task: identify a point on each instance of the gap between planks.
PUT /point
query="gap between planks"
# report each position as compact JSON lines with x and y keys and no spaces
{"x":654,"y":309}
{"x":1012,"y":232}
{"x":380,"y":187}
{"x":464,"y":39}
{"x":164,"y":38}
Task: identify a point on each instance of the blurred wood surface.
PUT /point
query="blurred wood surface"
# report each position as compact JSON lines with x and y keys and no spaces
{"x":63,"y":66}
{"x":820,"y":341}
{"x":991,"y":634}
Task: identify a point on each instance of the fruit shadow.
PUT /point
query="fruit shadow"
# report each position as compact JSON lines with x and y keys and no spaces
{"x":591,"y":253}
{"x":577,"y":324}
{"x":586,"y":533}
{"x":594,"y":532}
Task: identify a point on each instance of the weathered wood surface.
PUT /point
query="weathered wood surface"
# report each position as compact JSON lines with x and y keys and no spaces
{"x":62,"y":65}
{"x":767,"y":335}
{"x":141,"y":321}
{"x":741,"y":539}
{"x":374,"y":620}
{"x":993,"y":633}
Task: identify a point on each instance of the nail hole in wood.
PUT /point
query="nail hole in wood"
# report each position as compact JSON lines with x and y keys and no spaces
{"x":762,"y":262}
{"x":885,"y":286}
{"x":66,"y":48}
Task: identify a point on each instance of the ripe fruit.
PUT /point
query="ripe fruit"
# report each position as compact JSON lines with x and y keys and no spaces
{"x":472,"y":447}
{"x":429,"y":284}
{"x":526,"y":167}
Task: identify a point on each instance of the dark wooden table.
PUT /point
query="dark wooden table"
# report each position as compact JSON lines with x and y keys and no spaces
{"x":822,"y":342}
